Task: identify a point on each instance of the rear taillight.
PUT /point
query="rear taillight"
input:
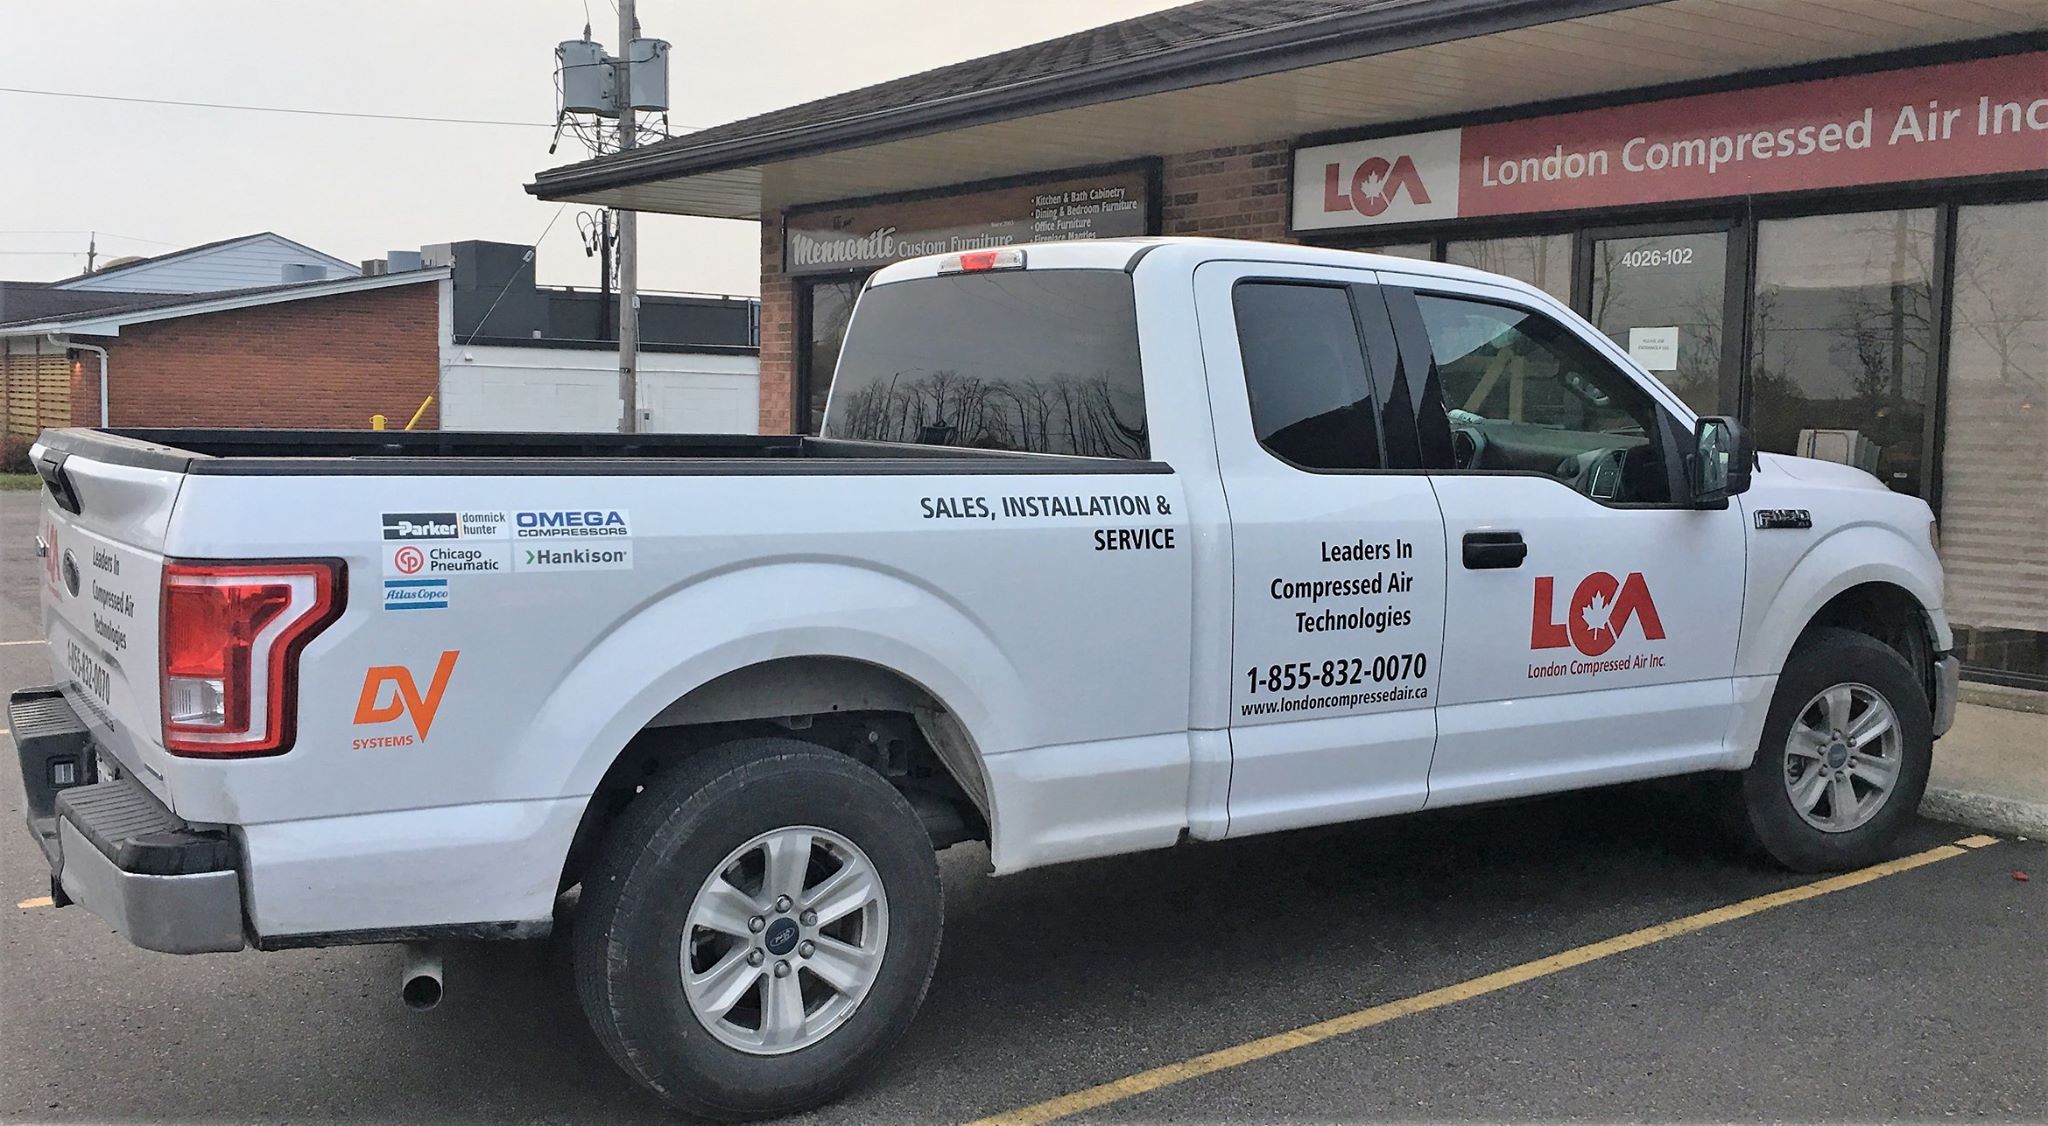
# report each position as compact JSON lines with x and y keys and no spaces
{"x":232,"y":633}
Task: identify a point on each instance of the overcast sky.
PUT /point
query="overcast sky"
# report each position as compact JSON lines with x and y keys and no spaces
{"x":154,"y":178}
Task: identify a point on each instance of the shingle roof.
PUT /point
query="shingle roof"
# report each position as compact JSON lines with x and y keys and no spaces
{"x":1139,"y":37}
{"x":1193,"y":45}
{"x":147,"y":302}
{"x":36,"y":301}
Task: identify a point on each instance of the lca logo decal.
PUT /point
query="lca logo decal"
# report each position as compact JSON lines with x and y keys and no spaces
{"x":1601,"y":608}
{"x":389,"y":692}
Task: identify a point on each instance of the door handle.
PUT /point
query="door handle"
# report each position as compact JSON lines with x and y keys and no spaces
{"x":1490,"y":550}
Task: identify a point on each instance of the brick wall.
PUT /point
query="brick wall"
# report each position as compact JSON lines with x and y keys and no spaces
{"x":327,"y":362}
{"x":778,"y":332}
{"x":1236,"y":192}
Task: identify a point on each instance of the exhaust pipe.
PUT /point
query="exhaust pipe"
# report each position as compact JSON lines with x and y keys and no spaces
{"x":420,"y":978}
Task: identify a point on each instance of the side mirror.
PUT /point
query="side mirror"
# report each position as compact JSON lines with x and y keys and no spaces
{"x":1722,"y":455}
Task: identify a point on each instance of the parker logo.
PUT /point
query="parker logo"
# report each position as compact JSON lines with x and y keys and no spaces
{"x":421,"y":526}
{"x":1374,"y":184}
{"x":403,"y":699}
{"x":1601,"y":607}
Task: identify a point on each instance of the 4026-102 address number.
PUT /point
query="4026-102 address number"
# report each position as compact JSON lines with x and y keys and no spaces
{"x":1296,"y":675}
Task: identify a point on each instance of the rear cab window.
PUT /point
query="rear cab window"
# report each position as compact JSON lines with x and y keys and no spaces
{"x":1032,"y":361}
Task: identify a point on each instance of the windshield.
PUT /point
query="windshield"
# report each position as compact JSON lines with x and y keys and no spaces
{"x":1039,"y":361}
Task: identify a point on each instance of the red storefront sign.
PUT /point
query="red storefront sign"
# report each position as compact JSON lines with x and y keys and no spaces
{"x":1974,"y":118}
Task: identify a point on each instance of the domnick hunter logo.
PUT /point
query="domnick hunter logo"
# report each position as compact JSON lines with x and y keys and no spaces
{"x":1600,"y":609}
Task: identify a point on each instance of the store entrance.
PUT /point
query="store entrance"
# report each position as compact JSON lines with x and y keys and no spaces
{"x":1662,"y":294}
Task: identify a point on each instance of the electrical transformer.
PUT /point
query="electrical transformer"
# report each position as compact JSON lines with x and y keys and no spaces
{"x":586,"y":77}
{"x":647,"y":73}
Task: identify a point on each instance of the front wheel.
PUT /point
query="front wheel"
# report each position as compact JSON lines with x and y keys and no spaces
{"x":762,"y":925}
{"x":1846,"y":750}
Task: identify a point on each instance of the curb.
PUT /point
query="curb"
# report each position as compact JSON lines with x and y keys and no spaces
{"x":2010,"y":816}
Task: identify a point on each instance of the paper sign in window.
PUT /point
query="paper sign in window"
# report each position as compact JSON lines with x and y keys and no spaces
{"x":1654,"y":348}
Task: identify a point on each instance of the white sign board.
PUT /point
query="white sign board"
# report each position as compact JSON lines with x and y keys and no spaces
{"x":1387,"y":180}
{"x":1654,"y":348}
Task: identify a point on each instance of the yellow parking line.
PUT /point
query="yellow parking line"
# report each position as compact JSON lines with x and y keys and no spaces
{"x":1158,"y":1077}
{"x":38,"y":901}
{"x":1978,"y":841}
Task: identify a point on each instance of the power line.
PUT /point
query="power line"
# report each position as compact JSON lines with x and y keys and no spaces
{"x":102,"y":234}
{"x":274,"y":109}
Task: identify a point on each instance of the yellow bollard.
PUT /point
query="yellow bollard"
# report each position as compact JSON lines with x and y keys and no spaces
{"x":376,"y":422}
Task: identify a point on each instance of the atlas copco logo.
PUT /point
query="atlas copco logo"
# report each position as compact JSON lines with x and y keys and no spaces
{"x":1602,"y":606}
{"x":1373,"y":184}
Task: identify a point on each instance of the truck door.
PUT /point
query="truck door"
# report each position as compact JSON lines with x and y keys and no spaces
{"x":1592,"y":613}
{"x":1337,"y":557}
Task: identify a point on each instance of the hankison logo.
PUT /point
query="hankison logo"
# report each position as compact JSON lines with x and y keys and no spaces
{"x":1374,"y":184}
{"x":1601,"y":608}
{"x":404,"y":698}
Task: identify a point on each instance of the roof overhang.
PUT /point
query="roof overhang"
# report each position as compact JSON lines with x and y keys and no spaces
{"x":1387,"y":65}
{"x":109,"y":322}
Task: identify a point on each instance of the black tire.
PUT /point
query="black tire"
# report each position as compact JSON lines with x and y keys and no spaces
{"x":631,"y":923}
{"x":1763,"y":810}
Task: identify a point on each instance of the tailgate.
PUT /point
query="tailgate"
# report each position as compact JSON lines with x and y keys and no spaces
{"x":100,"y":538}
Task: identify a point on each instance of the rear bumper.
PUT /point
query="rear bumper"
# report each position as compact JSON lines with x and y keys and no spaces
{"x":1948,"y":676}
{"x":113,"y":848}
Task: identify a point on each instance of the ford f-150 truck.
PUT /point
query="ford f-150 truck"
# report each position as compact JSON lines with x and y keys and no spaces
{"x":1105,"y":546}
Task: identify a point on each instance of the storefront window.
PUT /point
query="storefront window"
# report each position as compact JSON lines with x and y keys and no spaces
{"x":1422,"y":250}
{"x":1844,"y":339}
{"x":1663,"y":299}
{"x":830,"y":303}
{"x":1544,"y":261}
{"x":1994,"y":509}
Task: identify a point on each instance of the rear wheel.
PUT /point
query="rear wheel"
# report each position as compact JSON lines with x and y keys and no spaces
{"x":1845,"y":755}
{"x":761,"y":926}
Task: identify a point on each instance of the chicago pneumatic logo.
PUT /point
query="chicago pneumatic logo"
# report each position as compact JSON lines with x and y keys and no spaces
{"x":408,"y":560}
{"x":1373,"y":185}
{"x":421,"y":526}
{"x":1601,"y":607}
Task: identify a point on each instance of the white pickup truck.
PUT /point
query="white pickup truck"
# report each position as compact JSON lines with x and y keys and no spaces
{"x":1107,"y":546}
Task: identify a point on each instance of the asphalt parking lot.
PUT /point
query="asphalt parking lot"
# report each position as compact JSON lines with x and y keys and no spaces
{"x":1914,"y":992}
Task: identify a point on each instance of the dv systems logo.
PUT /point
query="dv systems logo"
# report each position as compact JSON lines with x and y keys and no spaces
{"x":404,"y":699}
{"x":1600,"y":609}
{"x":1374,"y":184}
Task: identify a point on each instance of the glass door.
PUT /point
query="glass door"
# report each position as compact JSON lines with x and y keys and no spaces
{"x":827,"y":306}
{"x":1663,"y":296}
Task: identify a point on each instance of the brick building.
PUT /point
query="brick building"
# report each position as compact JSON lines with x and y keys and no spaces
{"x":1829,"y":218}
{"x":464,"y":339}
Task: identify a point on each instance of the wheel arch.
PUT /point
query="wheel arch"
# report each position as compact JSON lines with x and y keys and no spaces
{"x":1865,"y":578}
{"x":760,"y":644}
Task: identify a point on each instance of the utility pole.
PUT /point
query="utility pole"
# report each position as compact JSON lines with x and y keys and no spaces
{"x":92,"y":249}
{"x":629,"y":236}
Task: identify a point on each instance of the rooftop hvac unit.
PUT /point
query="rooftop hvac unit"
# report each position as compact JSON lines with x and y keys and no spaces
{"x":304,"y":272}
{"x":402,"y":260}
{"x":647,"y":73}
{"x":372,"y":267}
{"x":586,"y":78}
{"x":437,"y":254}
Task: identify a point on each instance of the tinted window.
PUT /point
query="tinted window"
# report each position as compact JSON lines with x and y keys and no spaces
{"x":1042,"y":361}
{"x":1524,"y":394}
{"x":1305,"y":370}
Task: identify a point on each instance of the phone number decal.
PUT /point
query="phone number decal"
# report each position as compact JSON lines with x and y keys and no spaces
{"x":1297,"y":675}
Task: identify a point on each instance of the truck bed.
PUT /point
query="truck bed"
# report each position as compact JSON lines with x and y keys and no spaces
{"x":442,"y":453}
